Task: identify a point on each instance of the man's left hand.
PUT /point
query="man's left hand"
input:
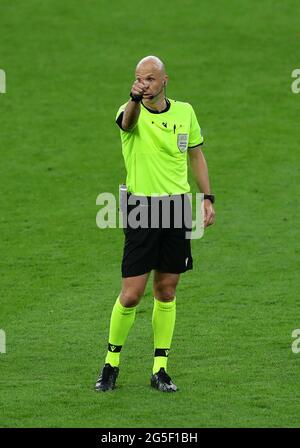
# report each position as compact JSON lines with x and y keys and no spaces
{"x":209,"y":213}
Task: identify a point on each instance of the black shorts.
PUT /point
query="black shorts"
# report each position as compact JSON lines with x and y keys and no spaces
{"x":164,"y":246}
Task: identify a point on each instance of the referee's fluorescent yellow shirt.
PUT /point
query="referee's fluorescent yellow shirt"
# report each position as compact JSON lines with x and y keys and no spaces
{"x":155,"y":150}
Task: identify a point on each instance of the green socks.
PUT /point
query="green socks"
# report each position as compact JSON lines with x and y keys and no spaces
{"x":121,"y":321}
{"x":163,"y":322}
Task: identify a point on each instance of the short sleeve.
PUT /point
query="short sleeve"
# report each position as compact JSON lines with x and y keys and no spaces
{"x":119,"y":115}
{"x":195,"y":134}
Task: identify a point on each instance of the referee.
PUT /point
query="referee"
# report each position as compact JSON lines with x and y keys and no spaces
{"x":157,"y":134}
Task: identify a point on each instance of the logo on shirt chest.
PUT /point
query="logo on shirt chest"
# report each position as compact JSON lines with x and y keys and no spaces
{"x":182,"y":142}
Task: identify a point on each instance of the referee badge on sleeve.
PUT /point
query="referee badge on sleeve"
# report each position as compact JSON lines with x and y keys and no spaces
{"x":182,"y":142}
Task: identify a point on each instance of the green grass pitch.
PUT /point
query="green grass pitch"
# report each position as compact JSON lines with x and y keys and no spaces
{"x":69,"y":65}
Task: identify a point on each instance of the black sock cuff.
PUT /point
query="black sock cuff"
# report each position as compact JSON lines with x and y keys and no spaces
{"x":114,"y":348}
{"x":162,"y":352}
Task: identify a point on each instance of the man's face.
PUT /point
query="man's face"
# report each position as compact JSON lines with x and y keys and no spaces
{"x":152,"y":78}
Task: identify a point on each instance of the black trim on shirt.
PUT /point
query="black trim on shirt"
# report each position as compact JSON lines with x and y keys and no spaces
{"x":199,"y":144}
{"x":156,"y":111}
{"x":119,"y":120}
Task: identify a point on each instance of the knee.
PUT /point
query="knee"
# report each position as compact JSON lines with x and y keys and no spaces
{"x":164,"y":293}
{"x":130,"y":297}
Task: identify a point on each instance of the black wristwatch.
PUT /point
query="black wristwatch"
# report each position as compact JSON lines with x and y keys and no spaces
{"x":136,"y":98}
{"x":211,"y":197}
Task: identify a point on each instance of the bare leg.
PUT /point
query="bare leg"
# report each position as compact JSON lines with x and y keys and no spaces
{"x":164,"y":286}
{"x":133,"y":289}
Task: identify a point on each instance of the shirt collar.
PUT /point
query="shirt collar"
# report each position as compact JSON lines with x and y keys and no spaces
{"x":156,"y":111}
